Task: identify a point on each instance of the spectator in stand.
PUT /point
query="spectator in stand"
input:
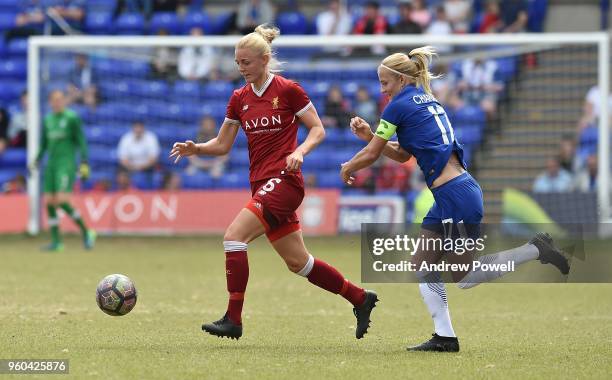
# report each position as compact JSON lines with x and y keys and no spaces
{"x":4,"y":125}
{"x":337,"y":111}
{"x":392,"y":175}
{"x":491,"y":21}
{"x":406,"y":25}
{"x":252,"y":13}
{"x":82,"y":87}
{"x":28,"y":21}
{"x":123,"y":182}
{"x":18,"y":128}
{"x":73,"y":11}
{"x":421,"y":14}
{"x":196,"y":62}
{"x":214,"y":165}
{"x":372,"y":22}
{"x":478,"y":85}
{"x":134,"y":6}
{"x":592,"y":109}
{"x":554,"y":180}
{"x":513,"y":15}
{"x":138,"y":150}
{"x":16,"y":185}
{"x":163,"y":65}
{"x":442,"y":27}
{"x":458,"y":13}
{"x":171,"y":181}
{"x":365,"y":107}
{"x":586,"y":179}
{"x":335,"y":21}
{"x":567,"y":153}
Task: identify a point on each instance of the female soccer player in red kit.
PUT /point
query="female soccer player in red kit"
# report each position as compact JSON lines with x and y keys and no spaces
{"x":267,"y":109}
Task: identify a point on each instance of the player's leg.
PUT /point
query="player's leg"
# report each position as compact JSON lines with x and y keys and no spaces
{"x":243,"y":229}
{"x":50,"y":188}
{"x":433,"y":293}
{"x":66,"y":178}
{"x":540,"y":247}
{"x":292,"y":249}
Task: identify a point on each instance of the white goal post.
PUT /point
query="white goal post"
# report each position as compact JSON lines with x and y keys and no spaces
{"x":37,"y":44}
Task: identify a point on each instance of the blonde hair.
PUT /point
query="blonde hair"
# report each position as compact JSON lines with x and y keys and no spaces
{"x":415,"y":66}
{"x":260,"y":41}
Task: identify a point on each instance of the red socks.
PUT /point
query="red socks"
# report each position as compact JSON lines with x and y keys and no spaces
{"x":327,"y":277}
{"x":237,"y":275}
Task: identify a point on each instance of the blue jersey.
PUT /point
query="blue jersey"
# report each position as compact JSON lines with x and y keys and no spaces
{"x":423,"y":130}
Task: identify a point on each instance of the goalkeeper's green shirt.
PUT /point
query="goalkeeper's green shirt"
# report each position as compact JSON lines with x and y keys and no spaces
{"x":62,"y":136}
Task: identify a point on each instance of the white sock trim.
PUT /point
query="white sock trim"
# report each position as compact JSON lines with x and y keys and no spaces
{"x":234,"y":246}
{"x":304,"y":272}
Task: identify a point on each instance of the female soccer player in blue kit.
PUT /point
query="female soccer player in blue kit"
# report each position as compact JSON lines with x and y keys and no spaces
{"x":424,"y":131}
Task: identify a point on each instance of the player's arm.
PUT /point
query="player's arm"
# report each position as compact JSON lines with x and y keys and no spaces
{"x":364,"y":158}
{"x":392,"y":149}
{"x":316,"y":134}
{"x":82,"y":143}
{"x":218,"y":146}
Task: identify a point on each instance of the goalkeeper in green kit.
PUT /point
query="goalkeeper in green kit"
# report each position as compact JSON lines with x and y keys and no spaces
{"x":61,"y":137}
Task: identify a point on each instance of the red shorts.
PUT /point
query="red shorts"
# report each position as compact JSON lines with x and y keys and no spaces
{"x":274,"y":201}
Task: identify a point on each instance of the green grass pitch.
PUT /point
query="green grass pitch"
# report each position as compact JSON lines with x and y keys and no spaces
{"x":292,"y":329}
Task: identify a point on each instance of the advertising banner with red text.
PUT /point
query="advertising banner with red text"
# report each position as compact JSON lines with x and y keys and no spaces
{"x":170,"y":212}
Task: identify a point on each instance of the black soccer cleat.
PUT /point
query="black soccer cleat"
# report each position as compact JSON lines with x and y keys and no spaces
{"x":363,"y":313}
{"x":223,"y":328}
{"x":438,"y":343}
{"x":549,"y":254}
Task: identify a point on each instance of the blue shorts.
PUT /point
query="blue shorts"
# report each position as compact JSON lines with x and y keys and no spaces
{"x":456,"y":201}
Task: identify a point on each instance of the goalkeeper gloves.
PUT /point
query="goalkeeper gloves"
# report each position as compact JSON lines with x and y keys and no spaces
{"x":84,"y":170}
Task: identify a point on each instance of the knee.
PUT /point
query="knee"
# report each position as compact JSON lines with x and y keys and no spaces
{"x":301,"y":265}
{"x":233,"y":234}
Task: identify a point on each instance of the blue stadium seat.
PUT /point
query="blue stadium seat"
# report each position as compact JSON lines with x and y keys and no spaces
{"x":234,"y":180}
{"x":8,"y":174}
{"x":239,"y":158}
{"x":349,"y":89}
{"x":13,"y":68}
{"x":154,"y":89}
{"x":130,"y":24}
{"x":292,"y":23}
{"x":241,"y":140}
{"x":13,"y":158}
{"x":197,"y":20}
{"x":7,"y":21}
{"x":200,"y":180}
{"x":100,"y":6}
{"x":329,"y":179}
{"x":215,"y":109}
{"x":218,"y":90}
{"x":187,"y":89}
{"x":11,"y":90}
{"x":99,"y":23}
{"x":221,"y":23}
{"x":100,"y":156}
{"x":168,"y":21}
{"x":146,"y":180}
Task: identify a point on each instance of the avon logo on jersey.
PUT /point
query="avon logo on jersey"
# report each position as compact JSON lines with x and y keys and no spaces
{"x":262,"y":122}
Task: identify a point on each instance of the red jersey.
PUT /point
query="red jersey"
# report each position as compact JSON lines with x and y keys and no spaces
{"x":269,"y":119}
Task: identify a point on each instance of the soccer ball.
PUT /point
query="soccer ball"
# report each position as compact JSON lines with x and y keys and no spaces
{"x":116,"y":295}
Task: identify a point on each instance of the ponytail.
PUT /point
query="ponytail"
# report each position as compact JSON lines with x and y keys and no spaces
{"x":261,"y":42}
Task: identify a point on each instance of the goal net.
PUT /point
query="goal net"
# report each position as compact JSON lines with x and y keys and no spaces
{"x":529,"y":110}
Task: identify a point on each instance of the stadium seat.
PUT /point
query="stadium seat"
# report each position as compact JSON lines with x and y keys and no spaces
{"x":99,"y":23}
{"x":100,"y":6}
{"x":329,"y":179}
{"x":130,"y":24}
{"x":100,"y":156}
{"x":11,"y":90}
{"x":190,"y":90}
{"x":200,"y":180}
{"x":146,"y":180}
{"x":13,"y":158}
{"x":164,"y":21}
{"x":149,"y":89}
{"x":7,"y":21}
{"x":292,"y":23}
{"x":221,"y":23}
{"x":197,"y":20}
{"x":13,"y":68}
{"x":234,"y":180}
{"x":239,"y":158}
{"x":8,"y":174}
{"x":218,"y":90}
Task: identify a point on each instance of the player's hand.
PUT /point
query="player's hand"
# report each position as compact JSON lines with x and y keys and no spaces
{"x":347,"y":177}
{"x":295,"y":161}
{"x":84,"y":170}
{"x":186,"y":149}
{"x":361,"y":129}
